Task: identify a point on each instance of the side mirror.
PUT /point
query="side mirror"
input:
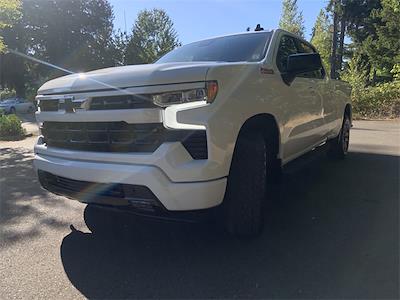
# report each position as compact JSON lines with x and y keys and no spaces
{"x":301,"y":63}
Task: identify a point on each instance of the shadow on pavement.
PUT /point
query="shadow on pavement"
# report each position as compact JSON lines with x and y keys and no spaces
{"x":21,"y":198}
{"x":332,"y":232}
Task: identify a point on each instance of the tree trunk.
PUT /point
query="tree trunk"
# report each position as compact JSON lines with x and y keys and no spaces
{"x":341,"y":42}
{"x":374,"y":76}
{"x":334,"y":41}
{"x":1,"y":72}
{"x":20,"y":89}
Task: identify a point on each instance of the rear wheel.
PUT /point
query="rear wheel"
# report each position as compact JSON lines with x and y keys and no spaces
{"x":245,"y":193}
{"x":12,"y":110}
{"x":339,"y":147}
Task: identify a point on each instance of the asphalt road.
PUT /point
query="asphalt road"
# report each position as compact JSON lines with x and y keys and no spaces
{"x":332,"y":232}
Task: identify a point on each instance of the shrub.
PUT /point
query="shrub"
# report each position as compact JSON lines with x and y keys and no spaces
{"x":6,"y":93}
{"x":11,"y":128}
{"x":381,"y":101}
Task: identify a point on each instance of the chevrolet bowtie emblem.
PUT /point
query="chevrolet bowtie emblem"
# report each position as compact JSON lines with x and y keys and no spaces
{"x":67,"y":104}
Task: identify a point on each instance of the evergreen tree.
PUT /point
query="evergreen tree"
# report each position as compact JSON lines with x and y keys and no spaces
{"x":120,"y":44}
{"x":322,"y":37}
{"x":9,"y":14}
{"x":291,"y":19}
{"x":384,"y":50}
{"x":153,"y":35}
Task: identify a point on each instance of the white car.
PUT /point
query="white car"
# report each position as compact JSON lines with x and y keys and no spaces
{"x":16,"y":105}
{"x":207,"y":125}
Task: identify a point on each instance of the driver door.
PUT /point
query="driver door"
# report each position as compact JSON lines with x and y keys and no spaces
{"x":303,"y":105}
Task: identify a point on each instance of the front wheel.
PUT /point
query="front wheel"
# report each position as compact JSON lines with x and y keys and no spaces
{"x":339,"y":147}
{"x":12,"y":110}
{"x":245,"y":193}
{"x":101,"y":220}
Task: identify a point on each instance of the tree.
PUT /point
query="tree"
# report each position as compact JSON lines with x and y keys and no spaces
{"x":322,"y":37}
{"x":74,"y":34}
{"x":360,"y":27}
{"x":358,"y":13}
{"x":291,"y":19}
{"x":9,"y":14}
{"x":120,"y":44}
{"x":384,"y":50}
{"x":153,"y":35}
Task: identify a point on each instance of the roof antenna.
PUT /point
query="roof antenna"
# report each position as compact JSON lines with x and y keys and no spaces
{"x":258,"y":28}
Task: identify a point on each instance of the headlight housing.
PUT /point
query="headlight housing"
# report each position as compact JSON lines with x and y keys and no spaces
{"x":208,"y":94}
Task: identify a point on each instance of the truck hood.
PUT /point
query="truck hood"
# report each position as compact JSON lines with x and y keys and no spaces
{"x":128,"y":76}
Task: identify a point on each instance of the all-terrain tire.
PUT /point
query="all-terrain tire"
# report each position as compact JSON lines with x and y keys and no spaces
{"x":246,"y":188}
{"x":338,"y":147}
{"x":100,"y":220}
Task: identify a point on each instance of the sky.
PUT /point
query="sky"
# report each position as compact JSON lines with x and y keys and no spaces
{"x":199,"y":19}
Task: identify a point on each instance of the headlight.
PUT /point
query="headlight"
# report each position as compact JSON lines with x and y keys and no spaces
{"x":208,"y":93}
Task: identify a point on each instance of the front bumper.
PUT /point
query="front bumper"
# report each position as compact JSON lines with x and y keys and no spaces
{"x":172,"y":195}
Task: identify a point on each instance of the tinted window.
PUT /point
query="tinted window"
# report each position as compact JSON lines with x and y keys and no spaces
{"x":287,"y":46}
{"x":242,"y":47}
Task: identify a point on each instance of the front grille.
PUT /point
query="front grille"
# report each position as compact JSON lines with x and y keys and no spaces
{"x":48,"y":105}
{"x":102,"y":103}
{"x":137,"y":196}
{"x":55,"y":105}
{"x":121,"y":102}
{"x":120,"y":137}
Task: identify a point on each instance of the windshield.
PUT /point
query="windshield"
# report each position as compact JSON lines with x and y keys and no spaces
{"x":235,"y":48}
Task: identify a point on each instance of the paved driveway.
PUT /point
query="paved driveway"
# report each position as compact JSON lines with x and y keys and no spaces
{"x":333,"y":232}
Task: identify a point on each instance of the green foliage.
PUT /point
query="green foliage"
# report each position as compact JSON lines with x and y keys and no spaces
{"x":374,"y":27}
{"x":153,"y":35}
{"x":322,"y":38}
{"x":120,"y":42}
{"x":73,"y":34}
{"x":291,"y":19}
{"x":374,"y":70}
{"x":10,"y":127}
{"x":383,"y":50}
{"x":396,"y":72}
{"x":356,"y":74}
{"x":7,"y":93}
{"x":358,"y":14}
{"x":380,"y":101}
{"x":9,"y":14}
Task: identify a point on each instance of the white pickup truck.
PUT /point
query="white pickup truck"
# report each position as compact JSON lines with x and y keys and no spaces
{"x":207,"y":125}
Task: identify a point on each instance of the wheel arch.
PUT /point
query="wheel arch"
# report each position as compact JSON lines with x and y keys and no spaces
{"x":348,"y":112}
{"x":267,"y":125}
